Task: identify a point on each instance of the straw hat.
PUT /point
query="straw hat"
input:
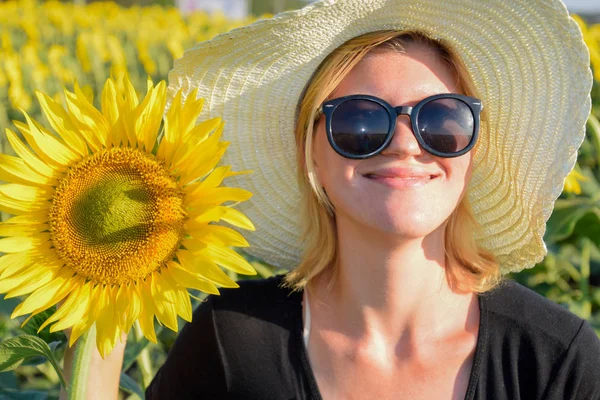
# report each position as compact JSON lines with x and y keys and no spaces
{"x":527,"y":60}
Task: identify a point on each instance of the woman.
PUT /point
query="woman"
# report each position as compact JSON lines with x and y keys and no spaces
{"x":431,"y":140}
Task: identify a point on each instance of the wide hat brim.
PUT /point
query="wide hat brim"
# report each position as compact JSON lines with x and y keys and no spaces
{"x":527,"y":60}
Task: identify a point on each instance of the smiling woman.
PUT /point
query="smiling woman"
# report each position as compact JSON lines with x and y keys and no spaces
{"x":418,"y":129}
{"x":431,"y":140}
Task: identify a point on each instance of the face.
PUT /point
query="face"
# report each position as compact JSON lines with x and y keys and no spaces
{"x":403,"y":191}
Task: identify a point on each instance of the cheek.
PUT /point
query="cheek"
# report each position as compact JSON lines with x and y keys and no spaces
{"x":458,"y":171}
{"x":464,"y":171}
{"x":333,"y":171}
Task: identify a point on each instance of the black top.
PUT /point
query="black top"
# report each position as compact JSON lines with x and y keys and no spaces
{"x":247,"y":344}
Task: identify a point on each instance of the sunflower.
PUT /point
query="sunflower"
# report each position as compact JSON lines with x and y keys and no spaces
{"x":572,"y":181}
{"x":111,"y":223}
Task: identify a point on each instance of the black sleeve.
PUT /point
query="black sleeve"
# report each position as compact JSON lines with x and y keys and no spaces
{"x":194,"y":365}
{"x":578,"y":375}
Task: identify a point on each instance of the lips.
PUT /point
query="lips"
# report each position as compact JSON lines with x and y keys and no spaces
{"x":402,"y":173}
{"x":402,"y":177}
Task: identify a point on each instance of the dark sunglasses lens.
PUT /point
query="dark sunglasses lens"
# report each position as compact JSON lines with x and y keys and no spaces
{"x":359,"y":127}
{"x":446,"y":125}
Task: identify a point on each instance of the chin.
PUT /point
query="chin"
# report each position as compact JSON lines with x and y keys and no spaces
{"x":408,"y":225}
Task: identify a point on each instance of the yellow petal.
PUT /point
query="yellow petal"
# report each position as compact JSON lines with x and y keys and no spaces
{"x":146,"y":319}
{"x":194,"y":246}
{"x":192,"y":108}
{"x":29,"y":158}
{"x":15,"y":262}
{"x":183,"y":304}
{"x":124,"y":128}
{"x":107,"y":327}
{"x":110,"y":108}
{"x":131,"y":98}
{"x":14,"y":281}
{"x":189,"y":280}
{"x":18,"y":244}
{"x":220,"y":235}
{"x":21,"y":230}
{"x":117,"y":135}
{"x":165,"y":300}
{"x":202,"y":216}
{"x":26,"y":132}
{"x":25,"y":192}
{"x":47,"y":295}
{"x":47,"y":147}
{"x":172,"y":134}
{"x":27,"y":281}
{"x":215,"y":178}
{"x":16,"y":207}
{"x":72,"y":310}
{"x":61,"y":123}
{"x":204,"y":267}
{"x":198,"y":168}
{"x":33,"y":218}
{"x":200,"y":153}
{"x":13,"y":206}
{"x":129,"y":306}
{"x":81,"y":325}
{"x":151,"y":114}
{"x":14,"y":170}
{"x":88,"y":119}
{"x":196,"y":136}
{"x":216,"y":196}
{"x":228,"y":258}
{"x":237,"y":218}
{"x":79,"y":328}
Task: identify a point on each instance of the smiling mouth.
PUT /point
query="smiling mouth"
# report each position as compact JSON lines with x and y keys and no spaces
{"x":402,"y":181}
{"x":412,"y":177}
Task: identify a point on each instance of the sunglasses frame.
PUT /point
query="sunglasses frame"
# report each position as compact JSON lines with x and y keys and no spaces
{"x":475,"y":105}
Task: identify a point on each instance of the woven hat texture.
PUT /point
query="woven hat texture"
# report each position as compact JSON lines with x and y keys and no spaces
{"x":528,"y":63}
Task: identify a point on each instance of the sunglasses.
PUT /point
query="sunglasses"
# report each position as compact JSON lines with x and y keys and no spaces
{"x":361,"y":126}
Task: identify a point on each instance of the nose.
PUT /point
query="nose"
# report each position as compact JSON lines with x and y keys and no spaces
{"x":403,"y":143}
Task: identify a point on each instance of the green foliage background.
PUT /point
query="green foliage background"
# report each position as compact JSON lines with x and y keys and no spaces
{"x":45,"y":46}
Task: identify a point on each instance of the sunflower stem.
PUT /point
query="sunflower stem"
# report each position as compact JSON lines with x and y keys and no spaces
{"x":143,"y":359}
{"x":584,"y":283}
{"x":81,"y":364}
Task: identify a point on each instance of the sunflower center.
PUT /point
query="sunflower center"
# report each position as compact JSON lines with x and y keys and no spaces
{"x":115,"y":210}
{"x":117,"y":216}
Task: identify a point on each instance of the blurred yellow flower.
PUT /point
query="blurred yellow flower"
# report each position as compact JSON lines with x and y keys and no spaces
{"x":572,"y":181}
{"x":591,"y":37}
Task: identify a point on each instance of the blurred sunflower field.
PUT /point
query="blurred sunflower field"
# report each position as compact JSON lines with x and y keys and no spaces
{"x":49,"y":45}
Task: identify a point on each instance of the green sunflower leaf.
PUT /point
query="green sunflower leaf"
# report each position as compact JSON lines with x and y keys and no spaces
{"x":14,"y":394}
{"x":566,"y":214}
{"x":133,"y":349}
{"x":130,"y":386}
{"x":15,"y":350}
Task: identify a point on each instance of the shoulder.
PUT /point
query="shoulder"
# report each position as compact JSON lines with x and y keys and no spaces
{"x":247,"y":326}
{"x":517,"y":307}
{"x":253,"y":293}
{"x":258,"y":309}
{"x":528,"y":338}
{"x":263,"y":299}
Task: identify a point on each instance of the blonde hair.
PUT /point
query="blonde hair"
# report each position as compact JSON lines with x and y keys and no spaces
{"x":468,"y":267}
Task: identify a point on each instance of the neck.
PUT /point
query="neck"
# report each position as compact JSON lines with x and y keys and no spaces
{"x":391,"y":286}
